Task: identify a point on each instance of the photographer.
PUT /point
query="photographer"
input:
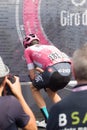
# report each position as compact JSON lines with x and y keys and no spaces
{"x":71,"y":112}
{"x":14,"y":111}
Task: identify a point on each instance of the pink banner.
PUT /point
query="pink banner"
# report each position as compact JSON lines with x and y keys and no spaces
{"x":31,"y":20}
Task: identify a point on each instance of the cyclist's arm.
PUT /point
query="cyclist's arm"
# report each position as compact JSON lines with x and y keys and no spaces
{"x":39,"y":69}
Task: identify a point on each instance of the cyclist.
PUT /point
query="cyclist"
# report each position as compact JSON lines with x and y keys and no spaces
{"x":53,"y":67}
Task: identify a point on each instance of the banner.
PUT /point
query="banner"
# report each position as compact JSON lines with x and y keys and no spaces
{"x":62,"y":23}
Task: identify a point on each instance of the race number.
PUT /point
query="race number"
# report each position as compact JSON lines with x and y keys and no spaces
{"x":54,"y":56}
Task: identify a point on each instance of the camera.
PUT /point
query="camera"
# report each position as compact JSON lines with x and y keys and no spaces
{"x":7,"y":90}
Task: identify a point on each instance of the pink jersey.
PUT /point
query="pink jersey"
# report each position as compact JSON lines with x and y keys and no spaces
{"x":43,"y":56}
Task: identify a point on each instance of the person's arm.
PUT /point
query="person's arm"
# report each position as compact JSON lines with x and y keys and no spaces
{"x":39,"y":69}
{"x":16,"y":89}
{"x":33,"y":72}
{"x":32,"y":122}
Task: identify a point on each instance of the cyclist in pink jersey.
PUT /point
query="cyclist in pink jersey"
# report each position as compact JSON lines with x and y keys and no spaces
{"x":53,"y":67}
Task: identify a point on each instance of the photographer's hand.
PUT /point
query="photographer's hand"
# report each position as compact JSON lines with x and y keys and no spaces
{"x":15,"y":87}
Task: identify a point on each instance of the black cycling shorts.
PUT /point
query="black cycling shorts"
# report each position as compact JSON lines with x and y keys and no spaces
{"x":54,"y":77}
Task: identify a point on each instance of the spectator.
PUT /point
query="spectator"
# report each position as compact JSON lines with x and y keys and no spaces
{"x":14,"y":111}
{"x":71,"y":112}
{"x":53,"y":67}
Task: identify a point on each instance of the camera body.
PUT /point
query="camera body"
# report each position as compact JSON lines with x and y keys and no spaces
{"x":7,"y":90}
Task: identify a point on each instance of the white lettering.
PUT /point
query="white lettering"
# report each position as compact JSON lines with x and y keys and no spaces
{"x":38,"y":78}
{"x":84,"y":17}
{"x":64,"y":70}
{"x":62,"y":120}
{"x":69,"y":19}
